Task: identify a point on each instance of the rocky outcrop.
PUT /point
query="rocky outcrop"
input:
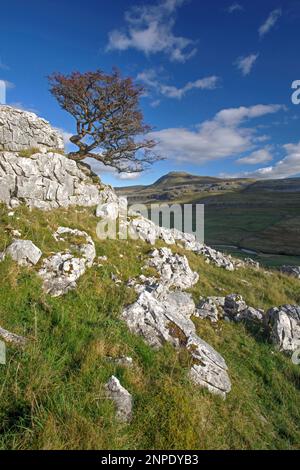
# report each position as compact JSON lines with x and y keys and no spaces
{"x":293,"y":271}
{"x":232,"y":307}
{"x":46,"y":181}
{"x":174,"y":269}
{"x":211,"y":308}
{"x":284,"y":325}
{"x":121,"y":397}
{"x":24,"y":252}
{"x":61,"y":271}
{"x":162,"y":315}
{"x":138,"y":227}
{"x":21,"y":130}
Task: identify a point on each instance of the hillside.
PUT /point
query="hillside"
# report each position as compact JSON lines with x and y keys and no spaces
{"x":54,"y":393}
{"x":119,"y":334}
{"x":260,"y":216}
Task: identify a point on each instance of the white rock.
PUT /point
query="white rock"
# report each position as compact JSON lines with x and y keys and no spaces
{"x":121,"y":397}
{"x":24,"y":252}
{"x":284,"y":325}
{"x":61,"y":271}
{"x":21,"y":130}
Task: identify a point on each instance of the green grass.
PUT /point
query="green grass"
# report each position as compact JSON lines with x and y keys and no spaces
{"x":52,"y":393}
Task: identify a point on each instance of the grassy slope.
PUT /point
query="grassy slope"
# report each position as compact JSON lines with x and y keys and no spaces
{"x":52,"y":394}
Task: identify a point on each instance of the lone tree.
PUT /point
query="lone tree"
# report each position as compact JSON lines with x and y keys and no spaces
{"x":109,"y":123}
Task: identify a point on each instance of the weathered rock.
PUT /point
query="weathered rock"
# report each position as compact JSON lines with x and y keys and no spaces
{"x":122,"y":399}
{"x":20,"y":130}
{"x":12,"y":338}
{"x":211,"y":308}
{"x":174,"y":269}
{"x":24,"y":252}
{"x":284,"y":325}
{"x":234,"y":305}
{"x":236,"y":309}
{"x":48,"y":181}
{"x":209,"y":368}
{"x":161,"y":315}
{"x":293,"y":271}
{"x":61,"y":271}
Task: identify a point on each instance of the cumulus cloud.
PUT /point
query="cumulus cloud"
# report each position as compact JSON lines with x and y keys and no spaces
{"x":257,"y":157}
{"x":245,"y":64}
{"x":235,"y":7}
{"x":285,"y":168}
{"x":270,"y":22}
{"x":223,"y":136}
{"x":149,"y":28}
{"x":149,"y":78}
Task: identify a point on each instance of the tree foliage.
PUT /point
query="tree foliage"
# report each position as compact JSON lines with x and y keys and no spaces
{"x":109,"y":122}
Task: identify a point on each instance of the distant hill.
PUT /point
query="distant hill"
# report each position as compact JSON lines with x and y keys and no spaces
{"x":180,"y":186}
{"x":257,"y":215}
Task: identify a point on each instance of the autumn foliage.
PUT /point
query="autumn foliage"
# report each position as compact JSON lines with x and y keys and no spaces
{"x":109,"y":122}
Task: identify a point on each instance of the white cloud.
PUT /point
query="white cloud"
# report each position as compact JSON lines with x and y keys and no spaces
{"x":235,"y":7}
{"x":128,"y":176}
{"x":259,"y":156}
{"x":149,"y":78}
{"x":218,"y":138}
{"x":245,"y":64}
{"x":285,"y":168}
{"x":149,"y":28}
{"x":270,"y":22}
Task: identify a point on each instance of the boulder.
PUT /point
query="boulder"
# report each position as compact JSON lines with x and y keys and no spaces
{"x":236,"y":309}
{"x":293,"y":271}
{"x":161,"y":315}
{"x":209,"y":369}
{"x":121,"y":397}
{"x":211,"y":308}
{"x":24,"y":252}
{"x":61,"y":271}
{"x":284,"y":326}
{"x":21,"y":130}
{"x":174,"y":269}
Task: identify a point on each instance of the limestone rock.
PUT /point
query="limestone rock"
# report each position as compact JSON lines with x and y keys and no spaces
{"x":24,"y":252}
{"x":20,"y":130}
{"x":48,"y":181}
{"x":174,"y":269}
{"x":211,"y":308}
{"x":209,"y":368}
{"x":61,"y":270}
{"x":161,"y":315}
{"x":234,"y":305}
{"x":293,"y":271}
{"x":121,"y":397}
{"x":284,"y":325}
{"x":236,"y":309}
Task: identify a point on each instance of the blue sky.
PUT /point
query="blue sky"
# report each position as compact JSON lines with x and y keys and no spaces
{"x":218,"y":75}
